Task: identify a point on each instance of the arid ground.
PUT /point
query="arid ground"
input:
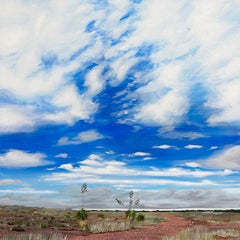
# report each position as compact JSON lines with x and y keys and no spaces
{"x":16,"y":220}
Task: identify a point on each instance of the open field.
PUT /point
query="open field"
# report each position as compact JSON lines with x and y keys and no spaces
{"x":18,"y":222}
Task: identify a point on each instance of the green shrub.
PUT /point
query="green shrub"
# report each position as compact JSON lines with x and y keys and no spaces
{"x":130,"y":214}
{"x":44,"y":225}
{"x":140,"y":217}
{"x":18,"y":229}
{"x":82,"y":214}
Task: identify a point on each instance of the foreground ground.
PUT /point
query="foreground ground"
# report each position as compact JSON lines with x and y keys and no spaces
{"x":170,"y":226}
{"x":15,"y":221}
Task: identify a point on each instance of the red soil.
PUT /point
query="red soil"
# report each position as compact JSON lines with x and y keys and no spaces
{"x":171,"y":226}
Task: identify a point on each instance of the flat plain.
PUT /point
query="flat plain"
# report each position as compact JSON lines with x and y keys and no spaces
{"x":17,"y":222}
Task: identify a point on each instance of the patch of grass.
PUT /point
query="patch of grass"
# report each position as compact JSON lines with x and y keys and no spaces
{"x":109,"y":226}
{"x":203,"y":233}
{"x":55,"y":236}
{"x":101,"y":216}
{"x":214,"y":215}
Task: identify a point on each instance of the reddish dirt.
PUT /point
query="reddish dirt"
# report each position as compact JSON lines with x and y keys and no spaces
{"x":171,"y":226}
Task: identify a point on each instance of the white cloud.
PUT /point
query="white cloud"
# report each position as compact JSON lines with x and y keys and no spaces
{"x":120,"y":67}
{"x":8,"y":181}
{"x":140,"y":154}
{"x":228,"y":158}
{"x":16,"y":118}
{"x":74,"y":106}
{"x":147,"y":158}
{"x":173,"y":105}
{"x":96,"y":170}
{"x":67,"y":166}
{"x":164,"y":146}
{"x":27,"y":191}
{"x":94,"y":81}
{"x":93,"y":160}
{"x":219,"y":57}
{"x":192,"y":164}
{"x":110,"y":152}
{"x":21,"y":159}
{"x":62,"y":155}
{"x":192,"y":44}
{"x":82,"y":137}
{"x":193,"y":146}
{"x":214,"y":147}
{"x":227,"y":100}
{"x":169,"y":132}
{"x":44,"y":53}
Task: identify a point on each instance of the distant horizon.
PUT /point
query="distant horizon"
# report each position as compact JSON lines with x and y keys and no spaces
{"x":135,"y":209}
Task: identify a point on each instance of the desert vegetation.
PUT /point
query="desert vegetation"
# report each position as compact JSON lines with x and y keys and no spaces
{"x":24,"y":221}
{"x":18,"y":223}
{"x":204,"y":233}
{"x":32,"y":236}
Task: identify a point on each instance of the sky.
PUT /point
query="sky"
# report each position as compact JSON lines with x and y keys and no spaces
{"x":123,"y":95}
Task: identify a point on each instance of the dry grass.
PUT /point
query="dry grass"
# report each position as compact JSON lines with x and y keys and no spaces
{"x":109,"y":226}
{"x":211,"y":216}
{"x":203,"y":233}
{"x":111,"y":221}
{"x":56,"y":236}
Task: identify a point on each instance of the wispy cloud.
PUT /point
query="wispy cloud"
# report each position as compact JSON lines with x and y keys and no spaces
{"x":27,"y":191}
{"x":170,"y":132}
{"x":193,"y":146}
{"x":192,"y":164}
{"x":96,"y":170}
{"x":164,"y":146}
{"x":82,"y":137}
{"x":62,"y":155}
{"x":8,"y":181}
{"x":46,"y":59}
{"x":20,"y":159}
{"x":227,"y":158}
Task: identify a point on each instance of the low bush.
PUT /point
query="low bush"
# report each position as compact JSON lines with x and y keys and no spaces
{"x":130,"y":214}
{"x":140,"y":217}
{"x":18,"y":229}
{"x":82,"y":214}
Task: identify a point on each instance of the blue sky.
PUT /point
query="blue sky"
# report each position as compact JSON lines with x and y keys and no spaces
{"x":124,"y":95}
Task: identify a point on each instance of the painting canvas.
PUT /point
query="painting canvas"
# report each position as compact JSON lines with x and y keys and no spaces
{"x":123,"y":95}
